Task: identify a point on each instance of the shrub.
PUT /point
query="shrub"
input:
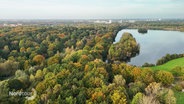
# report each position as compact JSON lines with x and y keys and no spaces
{"x":164,"y":77}
{"x":178,"y":71}
{"x":178,"y":87}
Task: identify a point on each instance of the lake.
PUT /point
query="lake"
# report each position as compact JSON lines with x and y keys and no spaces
{"x":155,"y":44}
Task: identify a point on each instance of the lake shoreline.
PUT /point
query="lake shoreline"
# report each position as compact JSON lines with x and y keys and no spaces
{"x":164,"y":29}
{"x":161,"y":42}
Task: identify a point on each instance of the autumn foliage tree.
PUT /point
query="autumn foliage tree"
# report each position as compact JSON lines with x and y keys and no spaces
{"x":38,"y":59}
{"x":164,"y":77}
{"x":98,"y":97}
{"x":147,"y":76}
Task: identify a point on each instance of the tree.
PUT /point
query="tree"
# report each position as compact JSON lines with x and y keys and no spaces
{"x":70,"y":100}
{"x":137,"y":99}
{"x":26,"y":64}
{"x":21,"y":43}
{"x":149,"y":100}
{"x":56,"y":88}
{"x":22,"y":76}
{"x":136,"y":72}
{"x":164,"y":77}
{"x":127,"y":73}
{"x":81,"y":97}
{"x":84,"y":59}
{"x":98,"y":97}
{"x":32,"y":78}
{"x":15,"y":84}
{"x":135,"y":87}
{"x":38,"y":59}
{"x":142,"y":30}
{"x":96,"y":82}
{"x":169,"y":97}
{"x":119,"y":80}
{"x":5,"y":51}
{"x":118,"y":97}
{"x":153,"y":88}
{"x":116,"y":69}
{"x":53,"y":60}
{"x":4,"y":90}
{"x":39,"y":74}
{"x":178,"y":71}
{"x":126,"y":48}
{"x":40,"y":87}
{"x":22,"y":49}
{"x":156,"y":94}
{"x":8,"y":68}
{"x":147,"y":76}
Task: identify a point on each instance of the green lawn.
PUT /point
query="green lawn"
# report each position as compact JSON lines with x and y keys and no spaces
{"x":170,"y":65}
{"x":179,"y":97}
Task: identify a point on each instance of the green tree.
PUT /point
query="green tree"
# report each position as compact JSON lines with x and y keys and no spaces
{"x":39,"y":74}
{"x":31,"y":78}
{"x":135,"y":87}
{"x":118,"y":97}
{"x":22,"y":76}
{"x":8,"y":68}
{"x":137,"y":99}
{"x":15,"y":84}
{"x":178,"y":71}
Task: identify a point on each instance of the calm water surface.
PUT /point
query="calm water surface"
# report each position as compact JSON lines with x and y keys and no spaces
{"x":155,"y":44}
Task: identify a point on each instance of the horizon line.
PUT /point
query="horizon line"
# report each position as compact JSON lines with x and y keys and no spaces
{"x":89,"y":18}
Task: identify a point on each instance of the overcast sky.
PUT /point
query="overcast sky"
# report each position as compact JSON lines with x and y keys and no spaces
{"x":90,"y":9}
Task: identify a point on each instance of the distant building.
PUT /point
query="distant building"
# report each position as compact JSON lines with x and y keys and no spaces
{"x":11,"y":25}
{"x":103,"y":21}
{"x":131,"y":21}
{"x":110,"y":21}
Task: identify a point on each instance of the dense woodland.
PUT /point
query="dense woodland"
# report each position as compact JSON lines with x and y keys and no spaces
{"x":175,"y":25}
{"x":78,"y":64}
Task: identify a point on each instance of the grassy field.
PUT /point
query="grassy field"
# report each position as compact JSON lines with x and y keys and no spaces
{"x":170,"y":65}
{"x":179,"y":97}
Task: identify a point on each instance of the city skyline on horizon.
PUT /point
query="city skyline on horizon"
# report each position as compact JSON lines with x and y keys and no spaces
{"x":96,"y":9}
